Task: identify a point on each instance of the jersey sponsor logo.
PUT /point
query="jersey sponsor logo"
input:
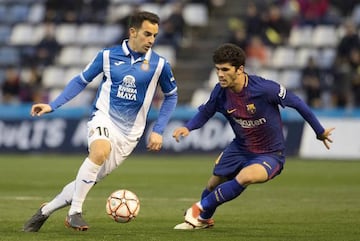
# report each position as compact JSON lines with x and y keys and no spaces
{"x":251,"y":109}
{"x":127,"y":90}
{"x":282,"y":92}
{"x":231,"y":111}
{"x":250,"y":123}
{"x":119,"y":63}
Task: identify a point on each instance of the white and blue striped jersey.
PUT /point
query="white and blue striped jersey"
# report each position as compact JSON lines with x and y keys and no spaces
{"x":128,"y":85}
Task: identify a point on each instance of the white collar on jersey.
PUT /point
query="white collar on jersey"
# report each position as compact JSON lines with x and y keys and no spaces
{"x":127,"y":52}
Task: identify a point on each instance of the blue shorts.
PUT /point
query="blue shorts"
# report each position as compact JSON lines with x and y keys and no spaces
{"x":232,"y":160}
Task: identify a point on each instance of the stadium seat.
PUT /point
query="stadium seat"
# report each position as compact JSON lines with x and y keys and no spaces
{"x":53,"y":93}
{"x":151,"y":7}
{"x":355,"y":16}
{"x":5,"y":33}
{"x":85,"y":98}
{"x":326,"y":58}
{"x":70,"y":73}
{"x":66,"y":33}
{"x":36,"y":13}
{"x":22,"y":34}
{"x":118,"y":11}
{"x":325,"y":36}
{"x":291,"y":79}
{"x":2,"y":75}
{"x":110,"y":33}
{"x":3,"y":13}
{"x":213,"y":79}
{"x":300,"y":36}
{"x":196,"y":14}
{"x":303,"y":55}
{"x":166,"y":10}
{"x":199,"y":97}
{"x":167,"y":52}
{"x":39,"y":32}
{"x":88,"y":34}
{"x":17,"y":13}
{"x":271,"y":74}
{"x":283,"y":57}
{"x":9,"y":56}
{"x":53,"y":77}
{"x":88,"y":54}
{"x":70,"y":55}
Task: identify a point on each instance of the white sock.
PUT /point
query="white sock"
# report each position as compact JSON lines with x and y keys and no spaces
{"x":85,"y":180}
{"x":63,"y":199}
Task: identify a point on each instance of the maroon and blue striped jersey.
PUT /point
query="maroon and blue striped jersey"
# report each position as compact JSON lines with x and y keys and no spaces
{"x":254,"y":113}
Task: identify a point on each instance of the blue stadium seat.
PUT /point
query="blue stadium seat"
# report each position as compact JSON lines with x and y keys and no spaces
{"x":3,"y":13}
{"x":2,"y":75}
{"x":36,"y":13}
{"x":5,"y":32}
{"x":9,"y":56}
{"x":17,"y":13}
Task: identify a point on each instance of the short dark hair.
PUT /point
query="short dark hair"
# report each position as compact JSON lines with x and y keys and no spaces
{"x":229,"y":53}
{"x":136,"y":20}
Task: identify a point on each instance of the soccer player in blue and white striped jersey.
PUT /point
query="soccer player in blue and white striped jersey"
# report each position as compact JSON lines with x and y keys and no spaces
{"x":251,"y":105}
{"x":131,"y":73}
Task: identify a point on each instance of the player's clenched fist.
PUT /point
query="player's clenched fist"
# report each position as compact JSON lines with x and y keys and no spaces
{"x":40,"y":109}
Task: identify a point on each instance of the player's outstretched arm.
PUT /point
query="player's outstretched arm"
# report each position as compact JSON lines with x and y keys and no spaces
{"x":325,"y":137}
{"x":40,"y":109}
{"x":179,"y":132}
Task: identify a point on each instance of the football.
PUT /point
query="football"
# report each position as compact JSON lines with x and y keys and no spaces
{"x":122,"y":206}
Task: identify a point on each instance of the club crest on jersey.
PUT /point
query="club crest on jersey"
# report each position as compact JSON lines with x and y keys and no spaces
{"x":251,"y":109}
{"x":127,"y":90}
{"x":145,"y":65}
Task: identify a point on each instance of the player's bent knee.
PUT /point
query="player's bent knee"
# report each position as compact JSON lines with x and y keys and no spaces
{"x":98,"y":157}
{"x":252,"y":174}
{"x":99,"y":151}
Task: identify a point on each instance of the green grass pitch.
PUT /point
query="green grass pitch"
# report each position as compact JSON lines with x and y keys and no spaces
{"x":312,"y":200}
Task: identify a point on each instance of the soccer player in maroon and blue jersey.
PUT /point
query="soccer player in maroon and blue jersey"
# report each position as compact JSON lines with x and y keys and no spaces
{"x":251,"y":105}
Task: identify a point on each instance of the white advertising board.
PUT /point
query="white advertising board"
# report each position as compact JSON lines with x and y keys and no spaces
{"x":346,"y":142}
